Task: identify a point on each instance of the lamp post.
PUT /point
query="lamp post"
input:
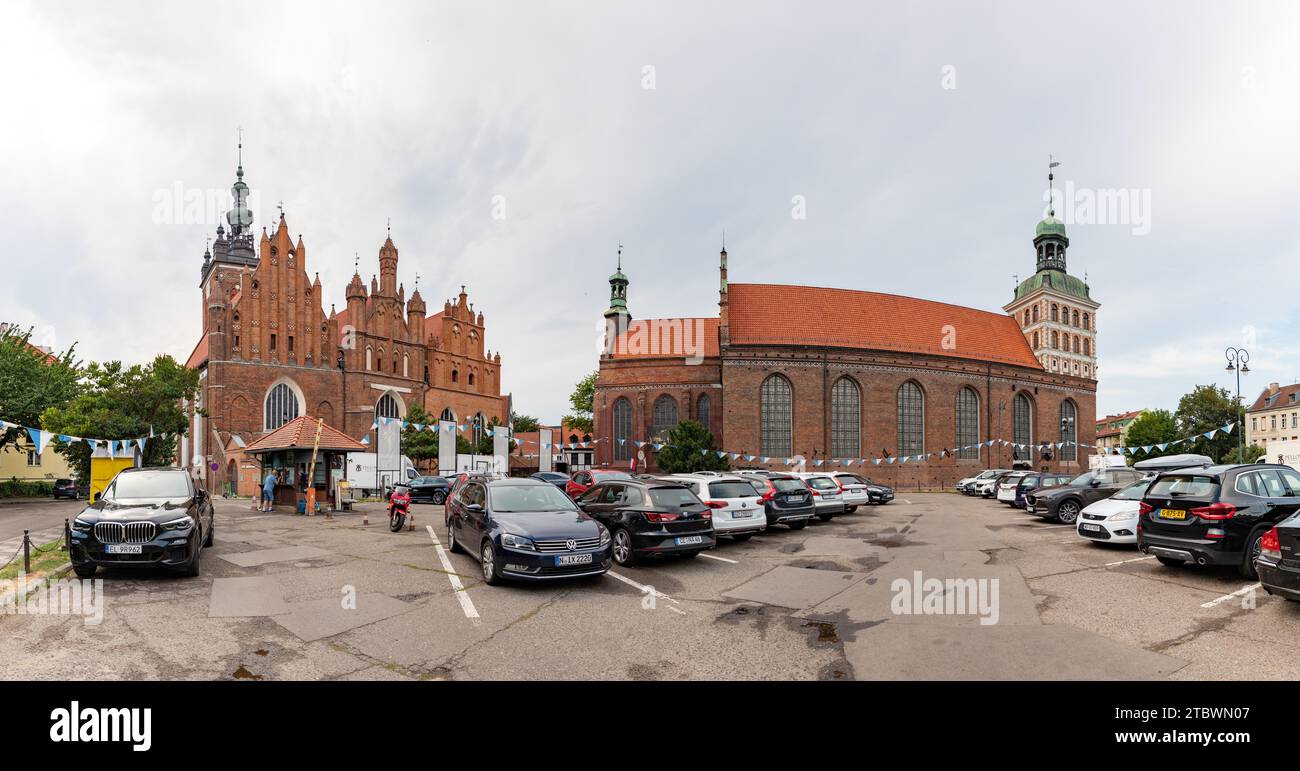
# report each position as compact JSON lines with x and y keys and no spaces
{"x":1237,"y":362}
{"x":1068,"y":436}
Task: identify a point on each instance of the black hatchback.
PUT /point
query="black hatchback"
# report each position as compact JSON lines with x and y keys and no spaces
{"x":650,"y":518}
{"x":1217,"y":515}
{"x":785,"y":498}
{"x":429,"y":490}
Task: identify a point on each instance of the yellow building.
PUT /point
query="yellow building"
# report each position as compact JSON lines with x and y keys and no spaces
{"x":21,"y":462}
{"x":1275,"y":416}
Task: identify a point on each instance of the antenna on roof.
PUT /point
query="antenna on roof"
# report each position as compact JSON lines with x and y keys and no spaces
{"x":620,"y":255}
{"x":724,"y":239}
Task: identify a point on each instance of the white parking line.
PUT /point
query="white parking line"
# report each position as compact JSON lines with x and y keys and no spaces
{"x":643,"y":589}
{"x":466,"y":604}
{"x":1226,"y":597}
{"x":719,"y":559}
{"x":1125,"y":562}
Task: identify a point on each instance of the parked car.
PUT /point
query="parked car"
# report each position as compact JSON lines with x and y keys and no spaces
{"x":786,"y":500}
{"x":650,"y":517}
{"x":1064,"y":502}
{"x":1216,"y":515}
{"x":877,"y":493}
{"x":66,"y":488}
{"x":825,"y":490}
{"x":738,"y":510}
{"x":1114,"y":519}
{"x":429,"y":490}
{"x":146,"y":517}
{"x":853,"y":490}
{"x":581,"y":481}
{"x":1034,"y":480}
{"x":553,"y":477}
{"x":1278,"y":563}
{"x":988,"y":486}
{"x":524,"y":529}
{"x":967,"y":486}
{"x":1006,"y":487}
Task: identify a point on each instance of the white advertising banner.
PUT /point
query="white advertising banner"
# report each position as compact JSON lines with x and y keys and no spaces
{"x":501,"y":450}
{"x":446,"y":446}
{"x":545,"y":449}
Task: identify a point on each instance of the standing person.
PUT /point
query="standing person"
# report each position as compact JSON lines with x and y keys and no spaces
{"x":268,"y":490}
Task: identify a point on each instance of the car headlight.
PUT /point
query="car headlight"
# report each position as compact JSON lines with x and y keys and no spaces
{"x":178,"y":525}
{"x":1122,"y":515}
{"x":604,"y":536}
{"x":82,"y":526}
{"x":511,"y":541}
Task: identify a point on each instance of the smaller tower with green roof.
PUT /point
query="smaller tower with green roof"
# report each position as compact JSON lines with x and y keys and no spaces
{"x":618,"y":293}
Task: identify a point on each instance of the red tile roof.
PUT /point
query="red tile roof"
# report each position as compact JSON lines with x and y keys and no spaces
{"x":771,"y":314}
{"x":200,"y":354}
{"x":1286,"y":396}
{"x":668,"y":338}
{"x":300,"y":433}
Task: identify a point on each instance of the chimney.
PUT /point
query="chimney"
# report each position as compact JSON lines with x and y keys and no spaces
{"x":1273,"y":388}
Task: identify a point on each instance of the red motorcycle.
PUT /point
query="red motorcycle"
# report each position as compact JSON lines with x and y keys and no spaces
{"x":399,"y":506}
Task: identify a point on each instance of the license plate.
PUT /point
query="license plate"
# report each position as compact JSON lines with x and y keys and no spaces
{"x":687,"y":540}
{"x":123,"y":548}
{"x":573,"y":559}
{"x":1091,"y":528}
{"x":738,"y":514}
{"x":1173,"y":514}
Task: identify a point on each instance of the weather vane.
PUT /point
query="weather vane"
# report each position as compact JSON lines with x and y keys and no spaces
{"x":1051,"y":194}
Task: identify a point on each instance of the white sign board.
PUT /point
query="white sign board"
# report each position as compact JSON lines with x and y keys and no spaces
{"x":446,"y":446}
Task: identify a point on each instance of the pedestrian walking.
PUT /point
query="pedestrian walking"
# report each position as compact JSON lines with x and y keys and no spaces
{"x":268,"y":490}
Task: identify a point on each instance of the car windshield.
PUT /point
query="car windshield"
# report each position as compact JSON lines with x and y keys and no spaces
{"x":1083,"y":480}
{"x":787,"y":485}
{"x":529,"y":498}
{"x":673,"y":498}
{"x":1133,"y":492}
{"x":161,"y":484}
{"x":1184,"y":486}
{"x":731,"y":489}
{"x":822,"y":483}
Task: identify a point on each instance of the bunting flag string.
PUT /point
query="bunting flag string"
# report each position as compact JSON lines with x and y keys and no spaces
{"x":42,"y":440}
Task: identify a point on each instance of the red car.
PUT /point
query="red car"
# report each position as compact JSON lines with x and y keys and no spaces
{"x":582,"y":480}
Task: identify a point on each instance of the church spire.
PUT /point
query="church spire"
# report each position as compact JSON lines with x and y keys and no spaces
{"x":618,"y":290}
{"x":1050,"y":241}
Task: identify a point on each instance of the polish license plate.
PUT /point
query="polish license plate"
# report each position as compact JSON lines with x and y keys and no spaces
{"x":741,"y":514}
{"x":123,"y":548}
{"x":1173,"y":514}
{"x":573,"y":559}
{"x":687,"y":540}
{"x":1091,"y":528}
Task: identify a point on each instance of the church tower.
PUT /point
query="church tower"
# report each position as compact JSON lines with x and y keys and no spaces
{"x":617,"y":317}
{"x":1053,"y":308}
{"x":232,"y":252}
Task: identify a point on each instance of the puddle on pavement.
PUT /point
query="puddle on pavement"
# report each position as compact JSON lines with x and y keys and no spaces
{"x":825,"y":631}
{"x":243,"y":674}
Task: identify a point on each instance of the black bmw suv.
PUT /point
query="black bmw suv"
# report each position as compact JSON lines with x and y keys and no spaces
{"x":146,"y":517}
{"x":1217,"y":515}
{"x":649,"y":517}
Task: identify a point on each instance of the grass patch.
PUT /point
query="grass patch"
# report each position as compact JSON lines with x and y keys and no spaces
{"x":50,"y":558}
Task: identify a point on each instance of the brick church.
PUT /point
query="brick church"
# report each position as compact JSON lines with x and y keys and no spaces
{"x":270,"y":352}
{"x":836,"y":374}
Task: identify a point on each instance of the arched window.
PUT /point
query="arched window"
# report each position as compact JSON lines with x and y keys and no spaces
{"x":1026,"y":317}
{"x":703,"y":412}
{"x":281,"y":406}
{"x":369,"y":358}
{"x":621,"y":417}
{"x":776,"y":416}
{"x":1087,"y":347}
{"x":911,"y":419}
{"x":455,"y":375}
{"x":1086,"y":321}
{"x":1065,"y":314}
{"x":471,"y":378}
{"x":406,"y":365}
{"x":1022,"y":427}
{"x":387,"y":407}
{"x":1035,"y":313}
{"x":1076,"y":343}
{"x":1069,"y":430}
{"x":846,"y":418}
{"x":1035,"y":340}
{"x":1055,"y":312}
{"x":1056,"y":340}
{"x":968,"y":423}
{"x":1076,"y":317}
{"x":663,"y":418}
{"x":447,"y":414}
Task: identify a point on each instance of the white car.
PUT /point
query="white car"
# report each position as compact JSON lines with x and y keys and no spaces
{"x":738,"y":509}
{"x":828,"y":498}
{"x":853,"y":491}
{"x":1113,"y":519}
{"x":967,"y":485}
{"x":1006,"y":491}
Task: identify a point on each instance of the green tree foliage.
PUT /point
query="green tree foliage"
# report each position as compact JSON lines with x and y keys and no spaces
{"x":1154,"y":427}
{"x":119,"y":402}
{"x":583,"y":401}
{"x":1207,"y":407}
{"x":420,"y":445}
{"x":31,"y":383}
{"x":1251,"y":453}
{"x":690,"y":447}
{"x":525,"y":423}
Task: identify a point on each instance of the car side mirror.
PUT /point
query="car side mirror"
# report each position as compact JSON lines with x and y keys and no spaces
{"x":475,"y":508}
{"x":1095,"y":483}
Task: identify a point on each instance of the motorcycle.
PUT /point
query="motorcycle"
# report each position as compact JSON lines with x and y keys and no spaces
{"x":399,"y":507}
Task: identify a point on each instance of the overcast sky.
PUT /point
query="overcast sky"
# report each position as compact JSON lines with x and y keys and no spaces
{"x":916,"y":133}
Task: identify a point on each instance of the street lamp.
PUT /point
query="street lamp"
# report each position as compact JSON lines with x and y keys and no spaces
{"x":1237,"y":362}
{"x":1068,"y":436}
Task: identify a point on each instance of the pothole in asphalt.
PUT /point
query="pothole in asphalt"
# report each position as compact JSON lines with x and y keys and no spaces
{"x":821,"y":565}
{"x":825,"y":631}
{"x":413,"y":596}
{"x":243,"y":674}
{"x":747,"y":614}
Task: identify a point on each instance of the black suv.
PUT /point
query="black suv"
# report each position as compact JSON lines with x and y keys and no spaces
{"x":649,"y":517}
{"x":429,"y":490}
{"x":1217,"y":515}
{"x":785,"y":499}
{"x":146,"y":517}
{"x":524,"y":529}
{"x":1063,"y":503}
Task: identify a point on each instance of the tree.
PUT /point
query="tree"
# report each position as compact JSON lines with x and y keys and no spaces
{"x":125,"y":403}
{"x":31,"y":382}
{"x":1205,"y":408}
{"x":420,"y":445}
{"x":526,"y":423}
{"x":690,"y":447}
{"x":1154,"y":427}
{"x":1251,"y":452}
{"x":583,"y":401}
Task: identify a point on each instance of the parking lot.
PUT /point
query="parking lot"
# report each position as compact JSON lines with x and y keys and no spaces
{"x":292,"y":597}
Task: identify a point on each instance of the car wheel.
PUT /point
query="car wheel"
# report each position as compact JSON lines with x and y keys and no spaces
{"x":1247,"y":566}
{"x":850,"y":509}
{"x":1170,"y":562}
{"x":741,"y":537}
{"x":826,"y":517}
{"x":622,"y":547}
{"x":451,"y":540}
{"x":1067,"y":512}
{"x":488,"y":561}
{"x":207,"y":539}
{"x":798,"y":525}
{"x":85,"y":570}
{"x":439,"y":498}
{"x":192,"y":570}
